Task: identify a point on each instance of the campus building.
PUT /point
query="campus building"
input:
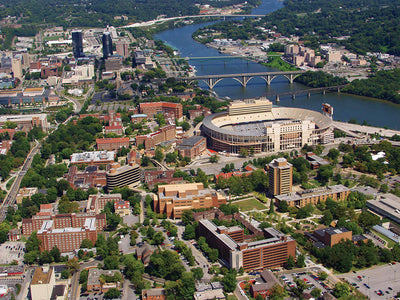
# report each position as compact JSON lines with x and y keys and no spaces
{"x":26,"y":122}
{"x":42,"y":284}
{"x":331,"y":236}
{"x":61,"y":221}
{"x":270,"y":249}
{"x":280,"y":176}
{"x":300,"y":199}
{"x":111,"y":144}
{"x":95,"y":282}
{"x":174,"y":199}
{"x":153,"y":108}
{"x":66,"y":239}
{"x":90,"y":177}
{"x":164,"y":134}
{"x":97,"y":202}
{"x":93,"y":158}
{"x":192,"y":146}
{"x":151,"y":178}
{"x":118,"y":176}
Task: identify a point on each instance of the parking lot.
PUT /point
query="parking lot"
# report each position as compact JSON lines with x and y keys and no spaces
{"x":312,"y":281}
{"x":381,"y":282}
{"x":10,"y":251}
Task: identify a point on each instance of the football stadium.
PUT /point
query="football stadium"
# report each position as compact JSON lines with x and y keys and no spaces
{"x":254,"y":124}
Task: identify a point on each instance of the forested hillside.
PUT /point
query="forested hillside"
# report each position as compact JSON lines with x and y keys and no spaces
{"x":361,"y":25}
{"x":77,"y":13}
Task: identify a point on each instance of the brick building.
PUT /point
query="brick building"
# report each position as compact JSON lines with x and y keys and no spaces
{"x":300,"y":199}
{"x":61,"y":221}
{"x":114,"y":128}
{"x":166,"y":177}
{"x":97,"y":202}
{"x":153,"y":108}
{"x":66,"y":239}
{"x":174,"y":199}
{"x":280,"y":176}
{"x":154,"y":294}
{"x":122,"y":208}
{"x":112,"y":143}
{"x":192,"y":146}
{"x":166,"y":133}
{"x":95,"y":282}
{"x":238,"y":250}
{"x":90,"y":177}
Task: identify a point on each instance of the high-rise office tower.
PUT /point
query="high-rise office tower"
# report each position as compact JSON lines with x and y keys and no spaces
{"x":77,"y":43}
{"x":280,"y":176}
{"x":107,"y":45}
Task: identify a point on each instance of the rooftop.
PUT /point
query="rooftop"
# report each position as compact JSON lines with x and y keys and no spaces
{"x":42,"y":275}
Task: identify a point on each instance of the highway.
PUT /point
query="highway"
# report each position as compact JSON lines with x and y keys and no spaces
{"x":10,"y":199}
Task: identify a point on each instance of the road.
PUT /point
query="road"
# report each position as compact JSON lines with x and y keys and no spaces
{"x":25,"y":285}
{"x":10,"y":199}
{"x":74,"y":293}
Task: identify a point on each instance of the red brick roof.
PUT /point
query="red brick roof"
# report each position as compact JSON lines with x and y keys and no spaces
{"x":167,"y":104}
{"x":113,"y":127}
{"x":112,"y":140}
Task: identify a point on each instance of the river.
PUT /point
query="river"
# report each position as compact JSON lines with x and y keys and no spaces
{"x":346,"y":107}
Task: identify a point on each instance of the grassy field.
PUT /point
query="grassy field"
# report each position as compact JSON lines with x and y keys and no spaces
{"x":231,"y":297}
{"x":249,"y":204}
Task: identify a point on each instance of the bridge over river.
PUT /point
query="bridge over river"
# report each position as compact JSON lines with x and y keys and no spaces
{"x":243,"y":78}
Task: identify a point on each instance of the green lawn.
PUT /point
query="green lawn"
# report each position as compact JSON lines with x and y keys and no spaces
{"x":249,"y":204}
{"x":231,"y":297}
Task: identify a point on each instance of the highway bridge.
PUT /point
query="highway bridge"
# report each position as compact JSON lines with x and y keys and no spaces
{"x":163,"y":20}
{"x":293,"y":94}
{"x":242,"y":78}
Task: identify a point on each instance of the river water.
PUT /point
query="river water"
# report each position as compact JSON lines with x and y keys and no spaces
{"x":346,"y":107}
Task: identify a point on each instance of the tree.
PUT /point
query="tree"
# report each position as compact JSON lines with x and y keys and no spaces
{"x":271,"y":207}
{"x":190,"y":232}
{"x":283,"y":206}
{"x":187,"y":217}
{"x":322,"y":275}
{"x":197,"y":273}
{"x":324,"y":174}
{"x":277,"y":292}
{"x":333,"y":154}
{"x":316,"y":293}
{"x":367,"y":220}
{"x":244,"y":152}
{"x":341,"y":290}
{"x":159,"y":155}
{"x":229,"y":281}
{"x":327,"y":218}
{"x":86,"y":243}
{"x":213,"y":255}
{"x":158,"y":238}
{"x":112,"y":293}
{"x":300,"y":263}
{"x":65,"y":274}
{"x":214,"y":158}
{"x":73,"y":265}
{"x":290,"y":263}
{"x":56,"y":254}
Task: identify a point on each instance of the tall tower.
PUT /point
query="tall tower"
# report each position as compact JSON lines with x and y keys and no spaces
{"x":280,"y":176}
{"x":77,"y":43}
{"x":107,"y":45}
